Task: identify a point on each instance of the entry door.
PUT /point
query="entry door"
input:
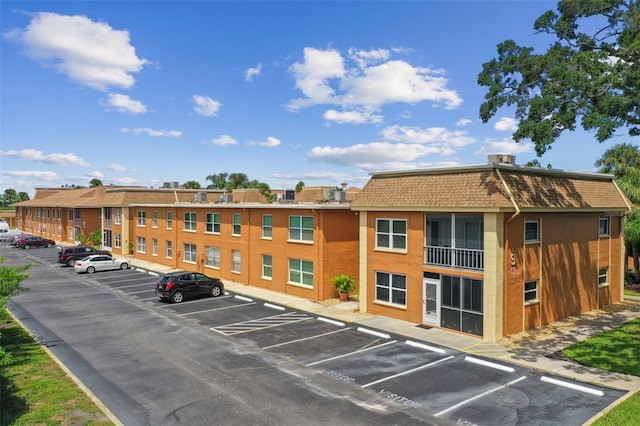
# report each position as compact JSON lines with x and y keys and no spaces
{"x":431,"y":302}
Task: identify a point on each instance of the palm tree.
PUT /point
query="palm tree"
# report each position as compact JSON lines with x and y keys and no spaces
{"x":237,"y":180}
{"x":617,"y":159}
{"x":191,"y":184}
{"x":218,"y":181}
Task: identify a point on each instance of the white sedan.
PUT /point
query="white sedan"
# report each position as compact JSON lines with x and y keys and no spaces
{"x":100,"y":262}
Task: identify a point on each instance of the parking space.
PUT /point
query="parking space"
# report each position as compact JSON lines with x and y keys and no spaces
{"x":447,"y":384}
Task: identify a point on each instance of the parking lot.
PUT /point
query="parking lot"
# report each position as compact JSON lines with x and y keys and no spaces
{"x":447,"y":384}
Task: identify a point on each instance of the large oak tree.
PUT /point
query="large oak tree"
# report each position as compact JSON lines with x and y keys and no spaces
{"x":589,"y":76}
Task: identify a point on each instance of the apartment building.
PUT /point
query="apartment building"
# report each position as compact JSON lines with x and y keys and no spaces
{"x":490,"y":250}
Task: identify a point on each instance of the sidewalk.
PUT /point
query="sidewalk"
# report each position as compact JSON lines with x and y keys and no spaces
{"x":531,"y":349}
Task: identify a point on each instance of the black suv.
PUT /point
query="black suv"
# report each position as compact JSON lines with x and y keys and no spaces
{"x":176,"y":286}
{"x":69,"y":255}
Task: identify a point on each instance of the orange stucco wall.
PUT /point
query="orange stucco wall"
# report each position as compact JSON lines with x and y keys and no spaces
{"x":565,"y":262}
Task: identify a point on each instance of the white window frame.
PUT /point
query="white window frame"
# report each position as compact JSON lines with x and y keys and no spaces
{"x":212,"y":257}
{"x":169,"y":220}
{"x":267,"y":266}
{"x":603,"y":276}
{"x":391,"y":235}
{"x":118,"y":218}
{"x":236,"y":264}
{"x":606,"y":231}
{"x":190,"y":221}
{"x":301,"y":233}
{"x":155,"y":219}
{"x":236,"y":221}
{"x":537,"y":237}
{"x":296,"y":268}
{"x":142,"y":245}
{"x":212,"y":223}
{"x":528,"y":292}
{"x":190,"y":252}
{"x":391,"y":287}
{"x":169,"y":249}
{"x":267,"y":228}
{"x":142,"y":218}
{"x":154,"y":246}
{"x":117,"y":238}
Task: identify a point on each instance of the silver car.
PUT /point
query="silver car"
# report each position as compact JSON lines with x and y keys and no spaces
{"x":100,"y":262}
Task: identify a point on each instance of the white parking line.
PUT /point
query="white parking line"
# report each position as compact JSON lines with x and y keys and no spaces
{"x":269,"y":305}
{"x":489,"y":364}
{"x":408,"y":371}
{"x":466,"y":401}
{"x":426,"y":347}
{"x":351,"y":353}
{"x":330,"y":321}
{"x":572,"y":386}
{"x":246,"y":299}
{"x":306,"y":338}
{"x":374,"y":333}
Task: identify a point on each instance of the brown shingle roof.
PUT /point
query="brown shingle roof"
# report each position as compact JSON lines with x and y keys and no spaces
{"x":482,"y":188}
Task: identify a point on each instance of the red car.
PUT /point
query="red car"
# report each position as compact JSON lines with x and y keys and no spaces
{"x":34,"y":241}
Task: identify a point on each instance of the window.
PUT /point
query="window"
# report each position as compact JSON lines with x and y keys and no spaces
{"x":530,"y":291}
{"x":169,"y":249}
{"x":118,"y":240}
{"x":154,"y":247}
{"x":212,"y":256}
{"x":236,"y":224}
{"x":391,"y":288}
{"x":301,"y":228}
{"x":604,"y":227}
{"x":391,"y":234}
{"x":169,"y":220}
{"x":603,"y":278}
{"x":236,"y":261}
{"x":267,"y":266}
{"x":118,"y":217}
{"x":142,"y":245}
{"x":531,"y":231}
{"x":213,"y":223}
{"x":190,"y":254}
{"x":190,"y":221}
{"x":267,"y":226}
{"x":142,"y":218}
{"x":155,"y":219}
{"x":301,"y":272}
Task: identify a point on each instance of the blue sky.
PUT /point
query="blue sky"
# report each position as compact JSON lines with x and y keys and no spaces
{"x":146,"y":92}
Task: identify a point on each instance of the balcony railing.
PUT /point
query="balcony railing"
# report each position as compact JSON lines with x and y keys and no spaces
{"x":458,"y":258}
{"x":77,"y":222}
{"x":107,"y":223}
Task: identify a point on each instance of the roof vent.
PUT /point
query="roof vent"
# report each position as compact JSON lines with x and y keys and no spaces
{"x":502,"y":159}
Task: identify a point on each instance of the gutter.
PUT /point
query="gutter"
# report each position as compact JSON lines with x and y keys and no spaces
{"x":624,"y":197}
{"x":510,"y":194}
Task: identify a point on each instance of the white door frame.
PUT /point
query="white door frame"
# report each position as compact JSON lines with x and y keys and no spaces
{"x":431,"y":294}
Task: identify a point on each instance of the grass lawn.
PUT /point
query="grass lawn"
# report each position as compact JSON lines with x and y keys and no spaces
{"x":34,"y":390}
{"x":615,"y":350}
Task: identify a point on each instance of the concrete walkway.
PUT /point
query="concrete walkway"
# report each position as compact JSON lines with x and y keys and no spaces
{"x":533,"y":352}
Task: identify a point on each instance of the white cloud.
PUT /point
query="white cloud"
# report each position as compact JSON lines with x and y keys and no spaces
{"x":505,"y":124}
{"x":96,"y":174}
{"x":36,"y":155}
{"x":42,"y":175}
{"x":153,"y":132}
{"x":271,"y":142}
{"x":352,"y":117}
{"x":250,"y":73}
{"x":124,"y":103}
{"x":431,"y":135}
{"x":507,"y":147}
{"x":90,"y":53}
{"x":375,"y":80}
{"x":375,"y":155}
{"x":223,"y":140}
{"x":206,"y":106}
{"x":463,"y":122}
{"x":116,"y":168}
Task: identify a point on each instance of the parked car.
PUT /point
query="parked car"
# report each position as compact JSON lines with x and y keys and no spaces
{"x":34,"y":241}
{"x":177,"y":286}
{"x":4,"y":226}
{"x":14,"y":240}
{"x":69,"y":255}
{"x":100,"y":262}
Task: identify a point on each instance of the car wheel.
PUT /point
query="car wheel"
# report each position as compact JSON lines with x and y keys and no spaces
{"x":124,"y":265}
{"x":26,"y":246}
{"x":49,"y":245}
{"x":215,"y":291}
{"x":71,"y":262}
{"x":177,"y":297}
{"x":91,"y":270}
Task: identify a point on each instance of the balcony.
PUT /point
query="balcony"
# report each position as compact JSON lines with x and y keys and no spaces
{"x":457,"y":258}
{"x":107,"y":223}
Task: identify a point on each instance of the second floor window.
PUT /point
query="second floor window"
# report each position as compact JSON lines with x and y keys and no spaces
{"x":190,"y":221}
{"x":603,"y":227}
{"x":391,"y":234}
{"x":531,"y":231}
{"x":213,"y":223}
{"x":237,"y":224}
{"x":267,"y":226}
{"x":301,"y":228}
{"x":142,"y":218}
{"x":169,"y":220}
{"x":155,"y":219}
{"x":118,"y":217}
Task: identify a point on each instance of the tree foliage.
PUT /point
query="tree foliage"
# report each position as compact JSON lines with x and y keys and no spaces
{"x":231,"y":181}
{"x":191,"y":184}
{"x":95,"y":182}
{"x":588,"y":76}
{"x":11,"y":278}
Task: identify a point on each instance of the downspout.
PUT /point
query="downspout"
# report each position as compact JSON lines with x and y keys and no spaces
{"x":506,"y":238}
